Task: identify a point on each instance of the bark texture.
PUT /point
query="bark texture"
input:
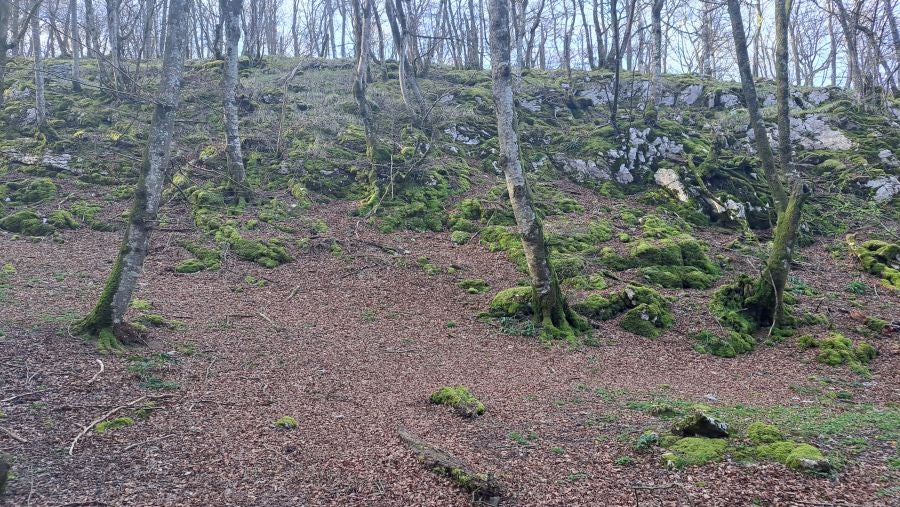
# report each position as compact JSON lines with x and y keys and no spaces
{"x":110,"y":309}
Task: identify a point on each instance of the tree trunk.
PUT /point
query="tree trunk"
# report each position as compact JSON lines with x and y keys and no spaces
{"x":782,"y":85}
{"x":550,"y":308}
{"x":237,"y":177}
{"x":4,"y":45}
{"x":408,"y":84}
{"x":763,"y":148}
{"x":115,"y":51}
{"x":109,"y":313}
{"x":40,"y":104}
{"x":76,"y":49}
{"x":362,"y":26}
{"x":656,"y":50}
{"x":767,"y":303}
{"x":617,"y":65}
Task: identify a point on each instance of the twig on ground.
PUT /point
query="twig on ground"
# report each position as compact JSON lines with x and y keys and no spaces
{"x":148,"y":441}
{"x":14,"y":435}
{"x":101,"y":419}
{"x":11,"y":398}
{"x":98,"y":373}
{"x":293,"y":293}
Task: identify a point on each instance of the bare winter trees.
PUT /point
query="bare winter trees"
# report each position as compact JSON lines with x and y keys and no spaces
{"x":107,"y":316}
{"x":550,"y":308}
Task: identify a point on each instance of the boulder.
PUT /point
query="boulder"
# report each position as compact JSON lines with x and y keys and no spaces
{"x":700,"y":424}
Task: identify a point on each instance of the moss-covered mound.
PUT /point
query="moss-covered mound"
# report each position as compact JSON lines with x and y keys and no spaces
{"x":646,"y":311}
{"x":512,"y":302}
{"x":460,"y":398}
{"x":26,"y":222}
{"x":837,"y":349}
{"x":729,"y":345}
{"x":880,"y":258}
{"x":693,"y":451}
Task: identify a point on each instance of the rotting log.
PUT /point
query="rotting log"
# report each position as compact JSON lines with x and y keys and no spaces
{"x":482,"y":486}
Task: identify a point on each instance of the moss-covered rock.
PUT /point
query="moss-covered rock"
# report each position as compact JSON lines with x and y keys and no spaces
{"x":693,"y":451}
{"x":111,"y":424}
{"x":285,"y":422}
{"x":700,"y":424}
{"x":515,"y":301}
{"x":190,"y":266}
{"x":761,"y":433}
{"x":794,"y":455}
{"x":460,"y":398}
{"x":646,"y":311}
{"x":62,"y":219}
{"x":26,"y":222}
{"x":732,"y":344}
{"x":836,"y":349}
{"x":36,"y":190}
{"x":880,"y":258}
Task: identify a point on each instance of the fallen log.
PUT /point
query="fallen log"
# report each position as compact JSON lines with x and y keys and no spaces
{"x":482,"y":486}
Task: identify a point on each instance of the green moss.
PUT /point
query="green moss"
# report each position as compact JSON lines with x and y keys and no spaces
{"x":460,"y":237}
{"x":26,"y":222}
{"x":285,"y":422}
{"x":141,"y":304}
{"x":649,"y":320}
{"x":879,"y":258}
{"x":761,"y":433}
{"x":474,"y":286}
{"x":567,"y":266}
{"x":837,"y":349}
{"x":460,"y":398}
{"x":731,"y":345}
{"x":788,"y":453}
{"x":36,"y":190}
{"x":190,"y":266}
{"x":655,"y":227}
{"x":62,"y":219}
{"x":646,"y":311}
{"x":111,"y":424}
{"x":693,"y":451}
{"x":211,"y":259}
{"x":512,"y":302}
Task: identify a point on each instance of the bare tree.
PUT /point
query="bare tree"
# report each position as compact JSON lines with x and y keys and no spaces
{"x":550,"y":308}
{"x":108,"y":315}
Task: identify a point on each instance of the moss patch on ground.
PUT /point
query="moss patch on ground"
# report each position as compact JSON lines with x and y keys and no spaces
{"x":460,"y":398}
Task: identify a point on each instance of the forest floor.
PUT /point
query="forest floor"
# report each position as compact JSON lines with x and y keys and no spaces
{"x":351,"y":343}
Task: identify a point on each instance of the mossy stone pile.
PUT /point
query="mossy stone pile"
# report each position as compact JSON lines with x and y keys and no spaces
{"x":646,"y":311}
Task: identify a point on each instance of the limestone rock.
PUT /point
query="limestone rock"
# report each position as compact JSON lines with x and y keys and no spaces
{"x":699,"y":424}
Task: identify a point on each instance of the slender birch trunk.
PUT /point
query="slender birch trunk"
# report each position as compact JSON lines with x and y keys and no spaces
{"x":109,"y":313}
{"x":76,"y":46}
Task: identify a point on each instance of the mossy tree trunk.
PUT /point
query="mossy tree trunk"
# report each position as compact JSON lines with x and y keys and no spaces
{"x":763,"y":148}
{"x":110,"y":309}
{"x":230,"y":11}
{"x":656,"y":49}
{"x":767,"y":303}
{"x":550,"y":308}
